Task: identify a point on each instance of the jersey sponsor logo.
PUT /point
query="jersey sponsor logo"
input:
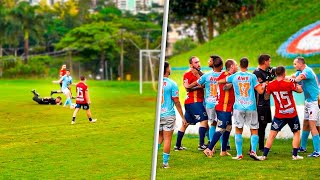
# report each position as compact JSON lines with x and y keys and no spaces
{"x":164,"y":83}
{"x":213,"y":79}
{"x":243,"y":78}
{"x":295,"y":126}
{"x":287,"y":111}
{"x":275,"y":125}
{"x":305,"y":42}
{"x":197,"y":117}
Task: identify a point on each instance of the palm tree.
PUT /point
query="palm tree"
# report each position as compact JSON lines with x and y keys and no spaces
{"x":30,"y":22}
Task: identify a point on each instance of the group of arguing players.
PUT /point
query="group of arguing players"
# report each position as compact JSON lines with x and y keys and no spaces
{"x":246,"y":97}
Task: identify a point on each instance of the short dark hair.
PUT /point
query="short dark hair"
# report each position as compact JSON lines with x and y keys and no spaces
{"x":263,"y":58}
{"x":68,"y":70}
{"x":301,"y":60}
{"x":217,"y":61}
{"x":228,"y":63}
{"x":244,"y":62}
{"x":59,"y":97}
{"x":82,"y":78}
{"x":190,"y":59}
{"x":280,"y":70}
{"x":166,"y":65}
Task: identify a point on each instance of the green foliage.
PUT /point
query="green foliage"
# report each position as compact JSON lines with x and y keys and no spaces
{"x":183,"y":45}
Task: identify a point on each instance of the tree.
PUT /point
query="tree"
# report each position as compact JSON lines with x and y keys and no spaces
{"x":184,"y":45}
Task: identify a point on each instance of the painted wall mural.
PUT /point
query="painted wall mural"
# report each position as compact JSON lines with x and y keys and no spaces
{"x":305,"y":42}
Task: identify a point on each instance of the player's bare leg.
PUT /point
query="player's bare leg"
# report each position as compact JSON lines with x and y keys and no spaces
{"x":160,"y":140}
{"x":89,"y":116}
{"x":167,"y":137}
{"x":295,"y":146}
{"x":269,"y":143}
{"x":74,"y":115}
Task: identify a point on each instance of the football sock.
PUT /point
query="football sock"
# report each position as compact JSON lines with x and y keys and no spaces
{"x":66,"y":103}
{"x":179,"y":138}
{"x":316,"y":143}
{"x":202,"y":134}
{"x":212,"y":130}
{"x":90,"y":119}
{"x":266,"y":151}
{"x":159,"y":145}
{"x":254,"y":142}
{"x":165,"y":157}
{"x":73,"y":118}
{"x":304,"y":139}
{"x":238,"y":140}
{"x":225,"y":142}
{"x":70,"y":102}
{"x":215,"y":139}
{"x":294,"y":151}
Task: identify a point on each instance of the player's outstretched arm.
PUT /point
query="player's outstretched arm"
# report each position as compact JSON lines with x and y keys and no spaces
{"x":227,"y":86}
{"x":222,"y":81}
{"x":179,"y":108}
{"x":266,"y":96}
{"x":58,"y":81}
{"x":260,"y":88}
{"x":188,"y":86}
{"x":299,"y":88}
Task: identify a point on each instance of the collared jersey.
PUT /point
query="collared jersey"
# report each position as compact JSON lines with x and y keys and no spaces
{"x":283,"y":98}
{"x":226,"y":98}
{"x":309,"y":84}
{"x":211,"y":88}
{"x":243,"y":85}
{"x":193,"y":96}
{"x":82,"y":89}
{"x":169,"y":91}
{"x":263,"y":76}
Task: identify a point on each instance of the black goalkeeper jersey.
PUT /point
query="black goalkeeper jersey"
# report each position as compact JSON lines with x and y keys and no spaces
{"x":263,"y":76}
{"x":48,"y":101}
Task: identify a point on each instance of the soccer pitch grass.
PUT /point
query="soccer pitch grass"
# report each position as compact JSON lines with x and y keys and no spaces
{"x":39,"y":142}
{"x":193,"y":164}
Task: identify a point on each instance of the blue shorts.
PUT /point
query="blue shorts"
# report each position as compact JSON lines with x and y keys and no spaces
{"x":224,"y":119}
{"x":278,"y":124}
{"x":195,"y":112}
{"x":84,"y":106}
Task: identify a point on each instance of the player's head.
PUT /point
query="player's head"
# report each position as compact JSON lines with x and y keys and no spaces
{"x":194,"y":62}
{"x":280,"y":71}
{"x":215,"y":62}
{"x":67,"y":72}
{"x":64,"y":66}
{"x":299,"y":63}
{"x":82,"y":78}
{"x":244,"y":63}
{"x":166,"y":69}
{"x":58,"y":100}
{"x":231,"y":66}
{"x":264,"y":59}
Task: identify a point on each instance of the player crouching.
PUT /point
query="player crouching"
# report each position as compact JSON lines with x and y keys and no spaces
{"x":83,"y":100}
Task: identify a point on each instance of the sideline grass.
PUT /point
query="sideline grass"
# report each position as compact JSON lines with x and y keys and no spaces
{"x":193,"y":164}
{"x":38,"y":141}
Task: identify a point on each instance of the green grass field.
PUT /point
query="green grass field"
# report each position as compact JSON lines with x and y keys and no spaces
{"x":193,"y":164}
{"x":39,"y":142}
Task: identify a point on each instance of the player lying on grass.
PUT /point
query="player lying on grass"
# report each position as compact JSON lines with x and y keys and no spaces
{"x":46,"y":100}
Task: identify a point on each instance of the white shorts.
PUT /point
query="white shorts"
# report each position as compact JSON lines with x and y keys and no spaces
{"x":167,"y":123}
{"x":311,"y":111}
{"x":66,"y":91}
{"x":249,"y":118}
{"x":212,"y":115}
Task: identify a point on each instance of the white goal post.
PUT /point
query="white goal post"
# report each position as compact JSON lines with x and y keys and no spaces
{"x":141,"y":55}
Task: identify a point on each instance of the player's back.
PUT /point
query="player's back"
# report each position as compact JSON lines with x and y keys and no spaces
{"x":169,"y":91}
{"x":81,"y":93}
{"x":226,"y":98}
{"x":211,"y":88}
{"x":310,"y":84}
{"x":196,"y":95}
{"x":283,"y":98}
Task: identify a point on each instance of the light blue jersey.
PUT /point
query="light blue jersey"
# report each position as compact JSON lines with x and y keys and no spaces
{"x":66,"y":81}
{"x":243,"y":85}
{"x":169,"y":91}
{"x":309,"y":84}
{"x":211,"y":86}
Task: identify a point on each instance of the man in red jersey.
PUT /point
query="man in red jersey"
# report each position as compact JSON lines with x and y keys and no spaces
{"x":224,"y":111}
{"x":62,"y":72}
{"x":83,"y":99}
{"x":194,"y":108}
{"x":285,"y":112}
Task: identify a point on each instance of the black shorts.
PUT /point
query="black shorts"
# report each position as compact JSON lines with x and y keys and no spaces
{"x":84,"y":106}
{"x":278,"y":124}
{"x":195,"y":113}
{"x":264,"y":114}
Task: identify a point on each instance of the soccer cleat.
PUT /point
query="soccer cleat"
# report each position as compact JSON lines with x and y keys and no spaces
{"x":73,"y":122}
{"x":93,"y":120}
{"x":225,"y":153}
{"x":314,"y":154}
{"x":254,"y":156}
{"x":202,"y":148}
{"x":297,"y":157}
{"x":301,"y":149}
{"x":237,"y":157}
{"x":179,"y":148}
{"x":165,"y":166}
{"x":262,"y":158}
{"x":208,"y":153}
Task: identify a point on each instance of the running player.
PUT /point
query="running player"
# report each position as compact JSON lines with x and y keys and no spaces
{"x":285,"y":111}
{"x":82,"y":100}
{"x":170,"y":97}
{"x":265,"y":74}
{"x":224,"y":111}
{"x":209,"y":80}
{"x":245,"y":109}
{"x":66,"y":81}
{"x":311,"y":92}
{"x":194,"y":109}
